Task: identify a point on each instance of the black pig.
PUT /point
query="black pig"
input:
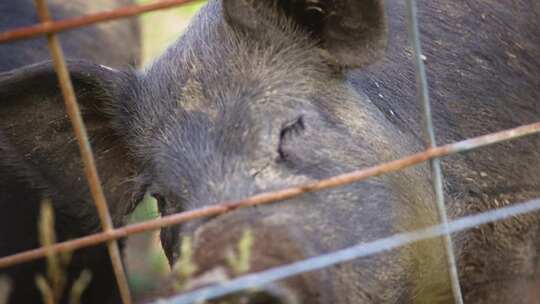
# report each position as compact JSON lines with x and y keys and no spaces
{"x":38,"y":155}
{"x":259,"y":95}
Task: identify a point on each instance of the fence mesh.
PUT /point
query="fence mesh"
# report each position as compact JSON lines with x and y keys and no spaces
{"x":110,"y":234}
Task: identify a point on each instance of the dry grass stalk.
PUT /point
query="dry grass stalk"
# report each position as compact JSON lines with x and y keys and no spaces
{"x":185,"y":267}
{"x":240,"y":262}
{"x":79,"y":286}
{"x":46,"y":291}
{"x":5,"y":287}
{"x":53,"y":285}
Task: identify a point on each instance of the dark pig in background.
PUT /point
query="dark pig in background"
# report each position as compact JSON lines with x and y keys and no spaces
{"x":483,"y":65}
{"x":99,"y":43}
{"x":260,"y":95}
{"x":39,"y":157}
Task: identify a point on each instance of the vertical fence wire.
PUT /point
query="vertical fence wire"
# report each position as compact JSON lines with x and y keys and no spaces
{"x":73,"y":111}
{"x":423,"y":95}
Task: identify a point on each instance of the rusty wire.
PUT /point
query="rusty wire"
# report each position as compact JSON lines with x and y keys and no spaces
{"x":74,"y":113}
{"x":430,"y":142}
{"x":72,"y":23}
{"x":269,"y":197}
{"x":258,"y":279}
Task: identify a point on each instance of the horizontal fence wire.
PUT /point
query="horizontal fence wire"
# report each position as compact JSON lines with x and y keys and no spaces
{"x":87,"y":156}
{"x":269,"y":197}
{"x":89,"y":19}
{"x":436,"y":171}
{"x":259,"y":279}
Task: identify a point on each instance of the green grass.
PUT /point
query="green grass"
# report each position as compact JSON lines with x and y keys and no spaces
{"x":144,"y":258}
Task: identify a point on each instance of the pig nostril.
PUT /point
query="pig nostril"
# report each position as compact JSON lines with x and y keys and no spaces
{"x":253,"y":298}
{"x":264,"y":298}
{"x":270,"y":295}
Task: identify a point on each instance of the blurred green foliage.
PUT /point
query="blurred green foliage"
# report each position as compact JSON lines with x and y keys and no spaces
{"x":146,"y":210}
{"x":145,"y":261}
{"x":189,"y":8}
{"x":161,"y":28}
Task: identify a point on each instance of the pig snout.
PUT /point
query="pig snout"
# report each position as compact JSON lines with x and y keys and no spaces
{"x":248,"y":242}
{"x":272,"y":294}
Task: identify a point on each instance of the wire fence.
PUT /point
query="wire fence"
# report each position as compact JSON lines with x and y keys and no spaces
{"x":255,"y":280}
{"x":435,"y":163}
{"x":110,"y":234}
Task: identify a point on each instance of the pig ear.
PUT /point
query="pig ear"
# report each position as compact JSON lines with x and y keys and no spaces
{"x":40,"y":79}
{"x":35,"y":126}
{"x":352,"y":32}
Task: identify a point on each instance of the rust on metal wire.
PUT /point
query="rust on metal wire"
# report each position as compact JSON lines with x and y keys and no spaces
{"x":67,"y":24}
{"x":268,"y":197}
{"x":73,"y":111}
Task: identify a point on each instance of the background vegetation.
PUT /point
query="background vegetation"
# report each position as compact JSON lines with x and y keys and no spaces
{"x":162,"y":28}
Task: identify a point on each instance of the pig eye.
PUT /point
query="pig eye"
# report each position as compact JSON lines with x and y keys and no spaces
{"x":288,"y":131}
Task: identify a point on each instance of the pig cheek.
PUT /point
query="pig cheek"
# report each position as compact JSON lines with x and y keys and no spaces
{"x":272,"y":178}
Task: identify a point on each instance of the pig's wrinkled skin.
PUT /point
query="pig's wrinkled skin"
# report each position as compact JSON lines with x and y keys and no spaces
{"x":256,"y":97}
{"x":38,"y":152}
